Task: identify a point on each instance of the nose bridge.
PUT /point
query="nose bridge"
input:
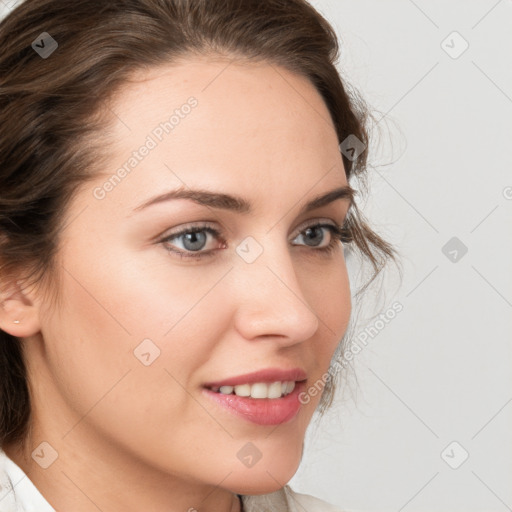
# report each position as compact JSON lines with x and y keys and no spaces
{"x":270,"y":298}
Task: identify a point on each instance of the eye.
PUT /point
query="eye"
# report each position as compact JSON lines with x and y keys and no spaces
{"x":199,"y":241}
{"x":193,"y":240}
{"x":314,"y":236}
{"x":322,"y":236}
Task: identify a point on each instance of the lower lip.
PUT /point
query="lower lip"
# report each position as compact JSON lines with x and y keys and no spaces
{"x":262,"y":411}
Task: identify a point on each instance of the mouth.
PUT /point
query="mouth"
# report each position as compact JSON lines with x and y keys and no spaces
{"x":266,"y":397}
{"x":258,"y":390}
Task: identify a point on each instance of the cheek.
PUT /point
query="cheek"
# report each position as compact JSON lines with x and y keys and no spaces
{"x":129,"y":386}
{"x":329,"y":295}
{"x":333,"y":306}
{"x":130,"y":319}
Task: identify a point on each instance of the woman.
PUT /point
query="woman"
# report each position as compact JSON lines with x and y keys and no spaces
{"x":174,"y":211}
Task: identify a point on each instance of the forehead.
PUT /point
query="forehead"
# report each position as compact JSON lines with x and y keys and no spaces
{"x":234,"y":96}
{"x":251,"y":124}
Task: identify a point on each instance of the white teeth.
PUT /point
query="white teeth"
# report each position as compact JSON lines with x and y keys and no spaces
{"x":275,"y":390}
{"x":259,"y":389}
{"x":243,"y":390}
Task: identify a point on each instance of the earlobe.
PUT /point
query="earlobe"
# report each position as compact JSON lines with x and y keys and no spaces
{"x":19,"y":316}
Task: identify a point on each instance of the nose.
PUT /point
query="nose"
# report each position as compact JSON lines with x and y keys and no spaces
{"x":270,"y":302}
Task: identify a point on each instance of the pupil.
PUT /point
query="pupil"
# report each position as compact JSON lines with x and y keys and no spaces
{"x":194,"y":241}
{"x":316,"y":240}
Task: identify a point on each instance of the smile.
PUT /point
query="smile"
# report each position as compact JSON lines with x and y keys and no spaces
{"x":258,"y":389}
{"x":266,"y":397}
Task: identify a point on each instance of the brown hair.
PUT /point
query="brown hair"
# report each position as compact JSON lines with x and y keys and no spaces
{"x":52,"y":110}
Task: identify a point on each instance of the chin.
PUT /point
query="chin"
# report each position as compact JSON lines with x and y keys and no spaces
{"x":264,"y":477}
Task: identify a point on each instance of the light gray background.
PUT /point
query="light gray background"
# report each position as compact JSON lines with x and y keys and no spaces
{"x":440,"y":371}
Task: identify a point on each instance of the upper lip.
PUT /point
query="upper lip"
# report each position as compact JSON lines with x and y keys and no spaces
{"x":268,"y":375}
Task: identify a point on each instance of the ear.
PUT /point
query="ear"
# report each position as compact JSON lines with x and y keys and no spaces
{"x":19,"y":315}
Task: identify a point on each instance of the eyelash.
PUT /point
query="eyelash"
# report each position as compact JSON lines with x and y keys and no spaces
{"x":337,"y":234}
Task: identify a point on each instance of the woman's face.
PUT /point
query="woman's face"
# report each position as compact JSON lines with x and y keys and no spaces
{"x":154,"y":317}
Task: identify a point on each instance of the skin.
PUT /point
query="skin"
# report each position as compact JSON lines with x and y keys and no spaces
{"x":132,"y":437}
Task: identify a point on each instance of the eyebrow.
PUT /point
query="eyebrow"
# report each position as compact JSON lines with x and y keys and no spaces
{"x":236,"y":204}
